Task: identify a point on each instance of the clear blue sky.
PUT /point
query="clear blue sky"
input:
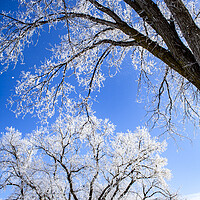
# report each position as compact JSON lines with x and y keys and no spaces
{"x":117,"y":101}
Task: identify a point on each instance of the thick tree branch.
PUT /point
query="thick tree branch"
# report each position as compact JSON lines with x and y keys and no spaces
{"x":150,"y":12}
{"x":190,"y":30}
{"x":106,"y":10}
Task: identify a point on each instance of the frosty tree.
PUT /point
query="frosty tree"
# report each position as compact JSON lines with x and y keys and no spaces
{"x":162,"y":37}
{"x":77,"y":159}
{"x":80,"y":156}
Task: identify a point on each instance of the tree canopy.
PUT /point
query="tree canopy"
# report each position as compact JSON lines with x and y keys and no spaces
{"x":75,"y":159}
{"x":97,"y":35}
{"x":81,"y":156}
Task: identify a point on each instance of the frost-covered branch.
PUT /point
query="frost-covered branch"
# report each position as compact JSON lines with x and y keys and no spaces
{"x":95,"y":37}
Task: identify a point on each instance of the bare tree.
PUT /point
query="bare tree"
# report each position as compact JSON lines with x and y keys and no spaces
{"x":75,"y":159}
{"x":104,"y":32}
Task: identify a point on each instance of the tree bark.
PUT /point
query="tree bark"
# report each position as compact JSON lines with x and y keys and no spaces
{"x":187,"y":62}
{"x":189,"y":29}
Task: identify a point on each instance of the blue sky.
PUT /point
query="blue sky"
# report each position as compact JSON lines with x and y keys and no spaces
{"x":116,"y":101}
